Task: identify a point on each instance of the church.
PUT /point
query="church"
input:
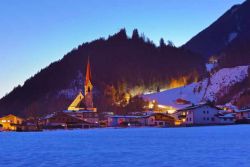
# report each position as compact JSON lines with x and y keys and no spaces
{"x":82,"y":106}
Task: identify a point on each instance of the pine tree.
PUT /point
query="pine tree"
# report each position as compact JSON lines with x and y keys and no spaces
{"x":162,"y":43}
{"x":135,"y":35}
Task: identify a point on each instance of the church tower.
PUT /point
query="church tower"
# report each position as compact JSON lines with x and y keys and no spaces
{"x":88,"y":87}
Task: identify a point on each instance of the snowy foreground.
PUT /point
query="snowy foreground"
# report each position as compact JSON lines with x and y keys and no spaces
{"x":147,"y":147}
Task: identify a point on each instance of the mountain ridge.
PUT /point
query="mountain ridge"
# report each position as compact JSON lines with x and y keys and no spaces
{"x":233,"y":24}
{"x":117,"y":61}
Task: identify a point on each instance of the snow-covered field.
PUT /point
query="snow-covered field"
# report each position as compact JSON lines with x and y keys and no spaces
{"x":207,"y":89}
{"x":218,"y":146}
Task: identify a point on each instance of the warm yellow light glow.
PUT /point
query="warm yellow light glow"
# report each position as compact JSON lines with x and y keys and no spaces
{"x":171,"y":111}
{"x":161,"y":108}
{"x":177,"y":122}
{"x":150,"y":105}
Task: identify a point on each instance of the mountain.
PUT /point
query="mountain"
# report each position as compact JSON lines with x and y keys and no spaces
{"x":119,"y":65}
{"x":237,"y":53}
{"x":232,"y":28}
{"x":228,"y":85}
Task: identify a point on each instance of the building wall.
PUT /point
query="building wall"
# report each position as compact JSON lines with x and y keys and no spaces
{"x":227,"y":120}
{"x":140,"y":121}
{"x":242,"y":115}
{"x":202,"y":115}
{"x":9,"y":121}
{"x":150,"y":121}
{"x":91,"y":117}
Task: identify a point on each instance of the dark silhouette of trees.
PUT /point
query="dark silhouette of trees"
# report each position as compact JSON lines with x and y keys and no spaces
{"x":135,"y":34}
{"x":119,"y":61}
{"x":162,"y":43}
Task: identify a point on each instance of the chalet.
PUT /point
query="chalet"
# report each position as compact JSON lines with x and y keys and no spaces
{"x":61,"y":120}
{"x":155,"y":119}
{"x":130,"y":120}
{"x":243,"y":116}
{"x":163,"y":120}
{"x":10,"y":122}
{"x":86,"y":115}
{"x":226,"y":118}
{"x":29,"y":125}
{"x":202,"y":114}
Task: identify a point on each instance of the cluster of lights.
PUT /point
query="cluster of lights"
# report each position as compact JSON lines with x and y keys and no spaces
{"x":3,"y":121}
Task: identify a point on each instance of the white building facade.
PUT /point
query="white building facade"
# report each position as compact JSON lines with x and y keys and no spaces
{"x":203,"y":114}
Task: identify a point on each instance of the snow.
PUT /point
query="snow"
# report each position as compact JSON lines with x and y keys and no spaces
{"x":129,"y":147}
{"x":169,"y":97}
{"x":70,"y":93}
{"x":75,"y":87}
{"x":210,"y":66}
{"x":207,"y":89}
{"x":232,"y":36}
{"x":221,"y":81}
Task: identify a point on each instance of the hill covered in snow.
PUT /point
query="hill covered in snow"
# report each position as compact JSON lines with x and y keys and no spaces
{"x":213,"y":88}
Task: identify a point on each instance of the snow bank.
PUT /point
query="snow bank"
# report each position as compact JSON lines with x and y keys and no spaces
{"x":206,"y":89}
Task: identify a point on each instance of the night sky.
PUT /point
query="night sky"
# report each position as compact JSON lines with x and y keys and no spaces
{"x":35,"y":33}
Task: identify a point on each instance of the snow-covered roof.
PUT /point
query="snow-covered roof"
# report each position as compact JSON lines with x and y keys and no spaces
{"x":79,"y":111}
{"x":229,"y":115}
{"x":129,"y":116}
{"x":196,"y":106}
{"x":245,"y":110}
{"x":49,"y":116}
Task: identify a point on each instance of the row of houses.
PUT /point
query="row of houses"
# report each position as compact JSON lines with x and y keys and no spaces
{"x":202,"y":114}
{"x":153,"y":119}
{"x":193,"y":115}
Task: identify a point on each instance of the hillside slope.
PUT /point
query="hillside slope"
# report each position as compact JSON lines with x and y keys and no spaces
{"x":215,"y":88}
{"x":233,"y":25}
{"x":118,"y":64}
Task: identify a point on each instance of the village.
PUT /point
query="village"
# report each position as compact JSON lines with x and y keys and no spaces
{"x":82,"y":114}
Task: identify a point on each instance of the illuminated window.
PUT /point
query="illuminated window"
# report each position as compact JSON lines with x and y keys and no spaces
{"x":3,"y":120}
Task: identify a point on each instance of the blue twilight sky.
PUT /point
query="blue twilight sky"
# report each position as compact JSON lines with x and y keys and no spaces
{"x":34,"y":33}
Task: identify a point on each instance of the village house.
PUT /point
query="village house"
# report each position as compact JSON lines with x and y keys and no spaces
{"x":243,"y":116}
{"x":202,"y":114}
{"x":10,"y":122}
{"x":61,"y":120}
{"x":128,"y":120}
{"x":29,"y":125}
{"x":154,"y":119}
{"x":164,"y":120}
{"x":227,"y":118}
{"x":86,"y":115}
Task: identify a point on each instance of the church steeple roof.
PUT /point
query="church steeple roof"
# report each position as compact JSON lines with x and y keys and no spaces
{"x":88,"y":73}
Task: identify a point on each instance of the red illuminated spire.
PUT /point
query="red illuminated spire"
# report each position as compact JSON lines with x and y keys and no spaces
{"x":88,"y":73}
